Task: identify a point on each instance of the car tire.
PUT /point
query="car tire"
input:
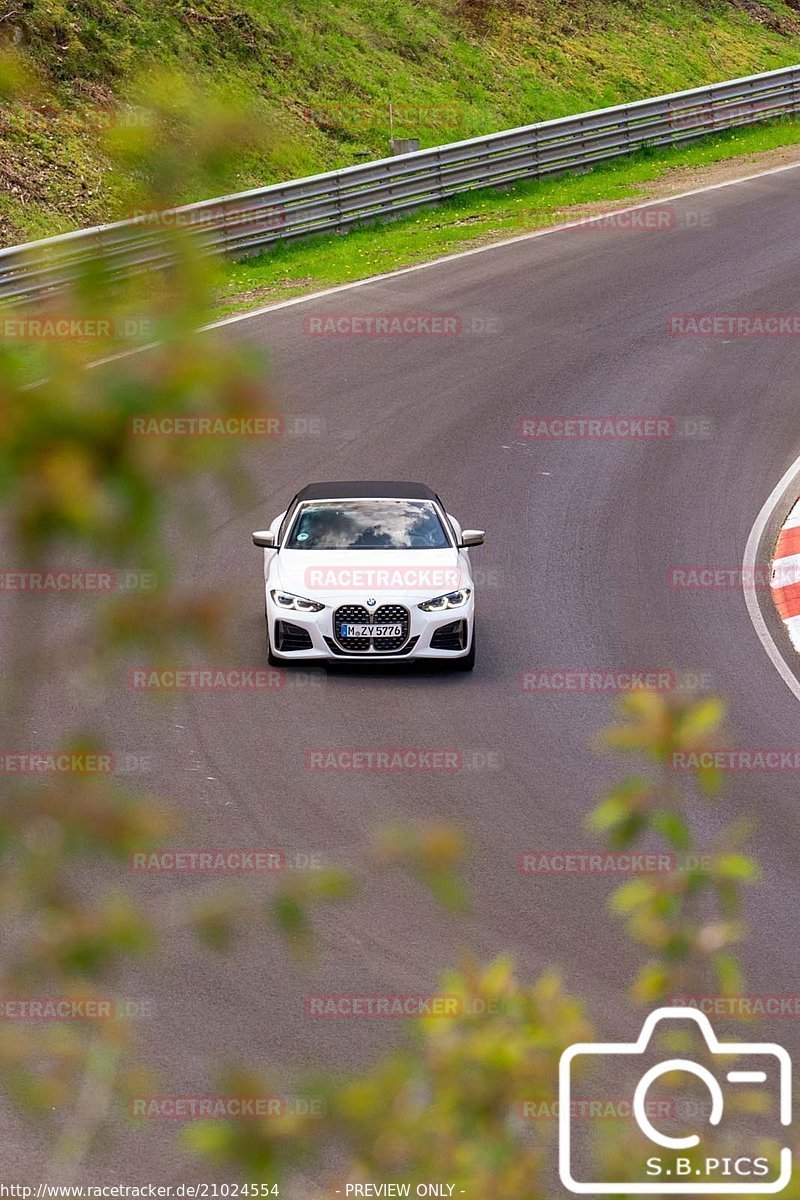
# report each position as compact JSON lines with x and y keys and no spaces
{"x":467,"y":663}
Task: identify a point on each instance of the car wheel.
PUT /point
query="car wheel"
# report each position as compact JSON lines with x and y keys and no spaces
{"x":467,"y":663}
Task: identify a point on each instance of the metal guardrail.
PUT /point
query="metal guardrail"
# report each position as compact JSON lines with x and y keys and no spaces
{"x":247,"y":222}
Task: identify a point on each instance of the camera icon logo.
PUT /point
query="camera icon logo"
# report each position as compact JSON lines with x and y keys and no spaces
{"x":687,"y":1163}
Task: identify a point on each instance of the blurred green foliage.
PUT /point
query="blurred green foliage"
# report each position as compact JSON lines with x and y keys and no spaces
{"x":447,"y":1103}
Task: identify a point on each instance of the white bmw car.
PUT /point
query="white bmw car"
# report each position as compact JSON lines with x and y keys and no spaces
{"x":366,"y":572}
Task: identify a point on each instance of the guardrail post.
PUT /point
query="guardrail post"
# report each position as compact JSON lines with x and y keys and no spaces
{"x":535,"y":154}
{"x":439,"y":180}
{"x":390,"y":178}
{"x":337,"y":187}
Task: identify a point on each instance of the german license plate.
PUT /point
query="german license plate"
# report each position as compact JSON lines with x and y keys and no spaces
{"x":371,"y":631}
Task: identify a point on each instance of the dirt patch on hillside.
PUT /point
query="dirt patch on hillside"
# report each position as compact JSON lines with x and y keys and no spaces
{"x":683,"y":179}
{"x":767,"y":16}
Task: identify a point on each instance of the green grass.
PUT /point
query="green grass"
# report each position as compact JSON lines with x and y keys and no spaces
{"x":322,"y":74}
{"x":295,"y":268}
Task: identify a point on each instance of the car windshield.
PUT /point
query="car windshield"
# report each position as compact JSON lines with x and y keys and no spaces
{"x":368,"y":525}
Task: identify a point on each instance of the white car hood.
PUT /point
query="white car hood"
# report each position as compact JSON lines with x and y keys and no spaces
{"x":341,"y":576}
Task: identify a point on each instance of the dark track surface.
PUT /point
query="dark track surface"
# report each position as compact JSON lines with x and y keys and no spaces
{"x":580,"y":537}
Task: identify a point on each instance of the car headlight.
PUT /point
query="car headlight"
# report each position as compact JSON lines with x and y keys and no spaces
{"x":295,"y":603}
{"x":450,"y":600}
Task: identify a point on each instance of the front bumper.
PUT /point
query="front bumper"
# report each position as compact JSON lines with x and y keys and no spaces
{"x":307,"y":636}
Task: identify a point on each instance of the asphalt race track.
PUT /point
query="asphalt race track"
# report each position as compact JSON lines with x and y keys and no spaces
{"x":581,"y":538}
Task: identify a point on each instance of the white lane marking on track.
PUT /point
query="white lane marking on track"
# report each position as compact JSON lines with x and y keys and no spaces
{"x":523,"y":237}
{"x":748,"y":578}
{"x":435,"y":262}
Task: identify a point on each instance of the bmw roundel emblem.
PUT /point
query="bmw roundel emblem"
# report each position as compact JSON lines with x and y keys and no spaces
{"x":371,"y":603}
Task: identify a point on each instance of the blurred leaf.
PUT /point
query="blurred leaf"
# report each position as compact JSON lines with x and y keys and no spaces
{"x":729,"y":974}
{"x":673,"y":827}
{"x":433,"y":853}
{"x":710,"y":779}
{"x":736,"y":866}
{"x":699,"y":720}
{"x":651,"y":984}
{"x":632,"y":895}
{"x":619,"y":804}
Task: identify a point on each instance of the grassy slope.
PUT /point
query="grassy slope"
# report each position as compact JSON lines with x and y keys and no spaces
{"x":323,"y":72}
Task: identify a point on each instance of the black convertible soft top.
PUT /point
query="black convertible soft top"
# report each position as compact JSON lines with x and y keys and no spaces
{"x":350,"y":490}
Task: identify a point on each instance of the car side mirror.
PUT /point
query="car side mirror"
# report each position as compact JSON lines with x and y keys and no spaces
{"x":265,"y":538}
{"x":473,"y":537}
